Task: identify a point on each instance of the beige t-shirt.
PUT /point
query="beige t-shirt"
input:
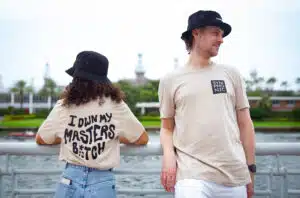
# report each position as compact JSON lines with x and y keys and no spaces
{"x":90,"y":132}
{"x":203,"y":103}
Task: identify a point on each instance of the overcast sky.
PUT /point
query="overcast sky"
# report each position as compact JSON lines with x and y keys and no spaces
{"x":265,"y":36}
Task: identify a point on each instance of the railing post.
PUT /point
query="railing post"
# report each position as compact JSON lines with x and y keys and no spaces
{"x":284,"y":180}
{"x":30,"y":103}
{"x":13,"y":183}
{"x":49,"y":102}
{"x":143,"y":110}
{"x":1,"y":184}
{"x":12,"y":99}
{"x":269,"y":181}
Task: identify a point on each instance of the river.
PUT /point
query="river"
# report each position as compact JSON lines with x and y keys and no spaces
{"x":150,"y":181}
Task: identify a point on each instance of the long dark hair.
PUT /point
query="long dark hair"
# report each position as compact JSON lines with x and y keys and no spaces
{"x":81,"y":91}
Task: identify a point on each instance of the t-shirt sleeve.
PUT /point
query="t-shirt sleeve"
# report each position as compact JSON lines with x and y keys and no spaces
{"x":48,"y":129}
{"x":165,"y":97}
{"x":130,"y":127}
{"x":240,"y":91}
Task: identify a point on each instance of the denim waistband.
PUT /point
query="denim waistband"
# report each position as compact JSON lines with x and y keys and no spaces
{"x":85,"y":168}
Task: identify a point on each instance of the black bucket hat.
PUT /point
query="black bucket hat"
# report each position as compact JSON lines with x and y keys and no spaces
{"x":90,"y":65}
{"x":203,"y":18}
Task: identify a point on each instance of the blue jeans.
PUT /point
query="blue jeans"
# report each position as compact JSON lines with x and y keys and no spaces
{"x":83,"y":182}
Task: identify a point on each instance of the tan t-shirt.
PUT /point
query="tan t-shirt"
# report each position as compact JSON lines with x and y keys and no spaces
{"x":203,"y":103}
{"x":90,"y":132}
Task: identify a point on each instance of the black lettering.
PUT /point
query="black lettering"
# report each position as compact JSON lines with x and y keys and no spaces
{"x":101,"y":147}
{"x":95,"y":133}
{"x":80,"y":122}
{"x":84,"y":137}
{"x":75,"y":135}
{"x":111,"y":133}
{"x":90,"y":131}
{"x":87,"y":149}
{"x":68,"y":134}
{"x":75,"y":149}
{"x":94,"y":118}
{"x":72,"y":120}
{"x":87,"y":121}
{"x":104,"y":130}
{"x":94,"y":152}
{"x":109,"y":115}
{"x":101,"y":118}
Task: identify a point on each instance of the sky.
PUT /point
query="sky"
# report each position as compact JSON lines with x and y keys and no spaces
{"x":264,"y":36}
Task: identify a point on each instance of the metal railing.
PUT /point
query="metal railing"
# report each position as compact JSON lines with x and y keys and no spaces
{"x":262,"y":149}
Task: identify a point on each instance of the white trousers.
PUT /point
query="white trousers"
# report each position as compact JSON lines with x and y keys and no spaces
{"x":191,"y":188}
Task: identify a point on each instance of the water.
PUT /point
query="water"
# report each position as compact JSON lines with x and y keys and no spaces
{"x":143,"y":163}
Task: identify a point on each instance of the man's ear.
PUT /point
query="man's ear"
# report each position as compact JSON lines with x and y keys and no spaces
{"x":195,"y":32}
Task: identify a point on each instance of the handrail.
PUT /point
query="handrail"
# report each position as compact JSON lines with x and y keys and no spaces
{"x":31,"y":148}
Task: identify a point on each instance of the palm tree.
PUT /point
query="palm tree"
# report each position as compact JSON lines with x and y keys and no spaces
{"x":284,"y":85}
{"x":256,"y":80}
{"x":265,"y":102}
{"x":248,"y":84}
{"x":270,"y":83}
{"x":48,"y":88}
{"x":19,"y":87}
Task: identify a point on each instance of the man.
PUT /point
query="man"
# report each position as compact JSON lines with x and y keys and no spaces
{"x":207,"y":133}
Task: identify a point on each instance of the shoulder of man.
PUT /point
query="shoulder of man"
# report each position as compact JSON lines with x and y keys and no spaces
{"x":169,"y":76}
{"x":231,"y":69}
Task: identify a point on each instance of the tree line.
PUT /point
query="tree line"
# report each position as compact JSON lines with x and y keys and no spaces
{"x":256,"y":85}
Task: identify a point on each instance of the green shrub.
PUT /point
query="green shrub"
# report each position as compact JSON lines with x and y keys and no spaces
{"x":4,"y":112}
{"x":19,"y":117}
{"x":296,"y":114}
{"x":259,"y":113}
{"x":13,"y":111}
{"x":42,"y":113}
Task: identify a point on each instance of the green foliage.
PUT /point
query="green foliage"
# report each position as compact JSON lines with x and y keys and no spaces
{"x":42,"y":113}
{"x":4,"y":112}
{"x":259,"y":113}
{"x":296,"y":114}
{"x":135,"y":94}
{"x":13,"y":111}
{"x":265,"y":103}
{"x":19,"y":117}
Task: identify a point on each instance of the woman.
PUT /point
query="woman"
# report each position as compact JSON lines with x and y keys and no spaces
{"x":89,"y":122}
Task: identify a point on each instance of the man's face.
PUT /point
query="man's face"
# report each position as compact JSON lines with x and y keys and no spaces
{"x":208,"y":40}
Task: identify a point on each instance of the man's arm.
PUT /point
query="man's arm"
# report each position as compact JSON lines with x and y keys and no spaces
{"x":247,"y":134}
{"x":40,"y":141}
{"x":166,"y":136}
{"x":169,"y":167}
{"x":143,"y":139}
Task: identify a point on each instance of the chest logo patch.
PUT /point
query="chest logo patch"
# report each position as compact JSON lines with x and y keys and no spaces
{"x":218,"y":86}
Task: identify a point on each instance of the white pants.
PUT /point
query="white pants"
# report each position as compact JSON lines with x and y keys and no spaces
{"x":191,"y":188}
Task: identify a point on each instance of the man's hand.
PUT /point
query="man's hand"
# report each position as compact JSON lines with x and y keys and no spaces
{"x":168,"y":173}
{"x":250,"y":187}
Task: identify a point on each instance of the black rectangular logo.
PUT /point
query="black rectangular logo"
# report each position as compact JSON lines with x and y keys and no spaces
{"x":218,"y":86}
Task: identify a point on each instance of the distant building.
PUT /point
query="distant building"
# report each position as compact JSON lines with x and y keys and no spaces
{"x":140,"y":78}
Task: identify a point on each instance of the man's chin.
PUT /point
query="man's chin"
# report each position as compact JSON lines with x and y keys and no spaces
{"x":213,"y":54}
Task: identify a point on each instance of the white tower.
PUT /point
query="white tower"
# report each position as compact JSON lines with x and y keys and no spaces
{"x":175,"y":63}
{"x":140,"y":70}
{"x":47,"y":75}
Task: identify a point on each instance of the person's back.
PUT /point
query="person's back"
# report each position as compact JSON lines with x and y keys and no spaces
{"x":89,"y":122}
